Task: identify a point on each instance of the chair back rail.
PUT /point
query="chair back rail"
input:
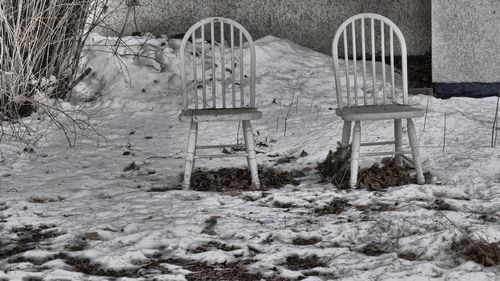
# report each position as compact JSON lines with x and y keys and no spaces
{"x":356,"y":27}
{"x":212,"y":33}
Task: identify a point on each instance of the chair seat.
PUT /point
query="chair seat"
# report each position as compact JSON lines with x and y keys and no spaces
{"x":379,"y":112}
{"x":219,"y":114}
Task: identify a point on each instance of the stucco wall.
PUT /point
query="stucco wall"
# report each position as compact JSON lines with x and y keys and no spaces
{"x":311,"y":23}
{"x":466,"y":41}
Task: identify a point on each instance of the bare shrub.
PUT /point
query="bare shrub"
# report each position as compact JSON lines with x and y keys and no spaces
{"x":41,"y":43}
{"x":40,"y":51}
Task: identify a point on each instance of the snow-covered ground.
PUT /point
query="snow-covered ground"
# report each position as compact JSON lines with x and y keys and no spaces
{"x":80,"y":208}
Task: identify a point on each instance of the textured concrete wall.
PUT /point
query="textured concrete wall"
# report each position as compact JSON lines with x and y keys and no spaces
{"x":311,"y":23}
{"x":466,"y":40}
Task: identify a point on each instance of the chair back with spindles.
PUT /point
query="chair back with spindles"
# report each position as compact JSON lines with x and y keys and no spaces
{"x":355,"y":31}
{"x":217,"y":65}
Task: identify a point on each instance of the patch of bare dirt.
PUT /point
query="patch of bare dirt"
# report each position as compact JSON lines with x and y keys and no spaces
{"x":236,"y":179}
{"x":389,"y":173}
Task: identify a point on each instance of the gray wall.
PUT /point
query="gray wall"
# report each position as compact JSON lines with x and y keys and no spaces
{"x":466,"y":41}
{"x":311,"y":23}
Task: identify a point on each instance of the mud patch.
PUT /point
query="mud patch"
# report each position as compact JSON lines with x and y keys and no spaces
{"x":336,"y":169}
{"x":386,"y":174}
{"x":233,"y":179}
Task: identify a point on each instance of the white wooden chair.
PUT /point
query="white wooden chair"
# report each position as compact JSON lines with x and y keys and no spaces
{"x":205,"y":54}
{"x":360,"y":103}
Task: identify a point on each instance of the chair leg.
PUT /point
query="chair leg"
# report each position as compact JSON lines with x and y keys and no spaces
{"x":398,"y":140}
{"x":356,"y":143}
{"x":250,"y":149}
{"x":346,"y":133}
{"x":412,"y":135}
{"x":191,"y":151}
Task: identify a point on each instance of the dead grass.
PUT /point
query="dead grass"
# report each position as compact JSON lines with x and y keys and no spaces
{"x":236,"y":179}
{"x":336,"y":170}
{"x":389,"y":173}
{"x":478,"y":250}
